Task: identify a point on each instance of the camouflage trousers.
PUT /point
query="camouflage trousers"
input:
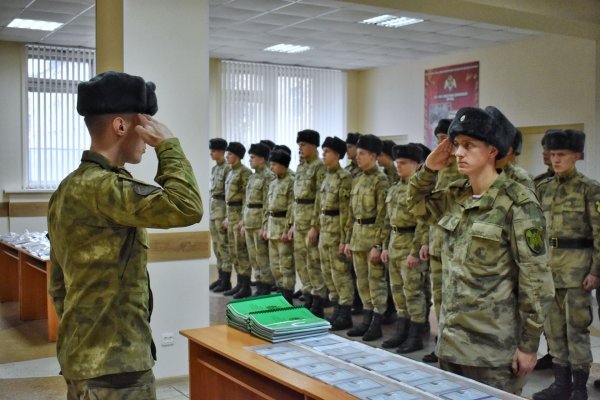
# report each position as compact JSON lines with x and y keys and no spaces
{"x":282,"y":263}
{"x":407,"y":287}
{"x":435,"y":268}
{"x":337,"y":275}
{"x":308,"y":264}
{"x":499,"y":377}
{"x":125,"y":386}
{"x":220,"y":244}
{"x":567,"y":327}
{"x":258,"y":253}
{"x":237,"y":244}
{"x":370,"y":282}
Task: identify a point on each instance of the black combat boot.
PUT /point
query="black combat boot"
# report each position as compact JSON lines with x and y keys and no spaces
{"x":234,"y":289}
{"x":336,"y":312}
{"x":317,"y":306}
{"x":308,"y":300}
{"x":357,"y":305}
{"x":363,"y":327}
{"x":297,"y":294}
{"x":343,"y":320}
{"x":389,"y":316}
{"x":414,"y":341}
{"x":245,"y":289}
{"x":217,"y":282}
{"x":261,"y":289}
{"x":224,"y":284}
{"x":597,"y":383}
{"x":287,"y":294}
{"x":580,"y":378}
{"x":431,"y":357}
{"x":561,"y":388}
{"x":544,"y":362}
{"x":399,"y":336}
{"x":374,"y":332}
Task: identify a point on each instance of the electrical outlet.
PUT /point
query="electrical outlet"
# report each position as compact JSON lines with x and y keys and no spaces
{"x":167,"y":339}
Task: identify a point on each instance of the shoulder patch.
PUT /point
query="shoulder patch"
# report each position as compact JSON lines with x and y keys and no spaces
{"x":534,"y":237}
{"x":143,"y":189}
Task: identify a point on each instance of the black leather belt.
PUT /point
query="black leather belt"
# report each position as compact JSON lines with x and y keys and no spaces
{"x":561,"y":243}
{"x":277,"y":214}
{"x":330,"y":213}
{"x":254,"y":205}
{"x":234,"y":203}
{"x":405,"y":229}
{"x":218,"y":197}
{"x":305,"y":201}
{"x":364,"y":221}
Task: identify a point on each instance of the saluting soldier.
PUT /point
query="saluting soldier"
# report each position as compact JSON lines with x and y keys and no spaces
{"x":305,"y":228}
{"x":218,"y":210}
{"x":571,"y":204}
{"x":333,"y":202}
{"x":497,"y":286}
{"x":235,"y":194}
{"x":367,"y":207}
{"x":255,"y":218}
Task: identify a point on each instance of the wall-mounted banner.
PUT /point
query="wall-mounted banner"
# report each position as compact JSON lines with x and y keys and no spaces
{"x":448,"y":89}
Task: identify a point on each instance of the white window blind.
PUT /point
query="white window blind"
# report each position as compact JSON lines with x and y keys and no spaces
{"x":56,"y":134}
{"x":264,"y":101}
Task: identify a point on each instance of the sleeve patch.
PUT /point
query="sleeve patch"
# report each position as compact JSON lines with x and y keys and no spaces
{"x":534,"y":237}
{"x":143,"y":189}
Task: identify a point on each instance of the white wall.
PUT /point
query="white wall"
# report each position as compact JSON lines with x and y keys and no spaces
{"x":168,"y":45}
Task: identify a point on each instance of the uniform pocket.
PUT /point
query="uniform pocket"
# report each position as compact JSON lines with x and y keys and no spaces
{"x":485,"y":254}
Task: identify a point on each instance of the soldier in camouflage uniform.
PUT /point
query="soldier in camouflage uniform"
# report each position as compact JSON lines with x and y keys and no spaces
{"x":571,"y":204}
{"x":352,"y":167}
{"x":218,"y":211}
{"x":255,"y":218}
{"x":546,"y":156}
{"x":305,"y":229}
{"x":97,"y":220}
{"x":235,"y":196}
{"x":333,"y":202}
{"x":280,"y":200}
{"x":367,"y":207}
{"x":497,"y":287}
{"x":401,"y":247}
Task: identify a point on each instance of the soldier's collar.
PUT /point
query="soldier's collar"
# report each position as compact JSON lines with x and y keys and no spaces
{"x":221,"y":162}
{"x":97,"y":158}
{"x":567,"y":176}
{"x":236,"y":165}
{"x":372,"y":170}
{"x":486,"y":201}
{"x":334,"y":168}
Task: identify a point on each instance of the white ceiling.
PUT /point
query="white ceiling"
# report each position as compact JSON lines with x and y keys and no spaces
{"x":241,"y":29}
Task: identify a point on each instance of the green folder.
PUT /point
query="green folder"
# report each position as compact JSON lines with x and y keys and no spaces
{"x":238,"y":311}
{"x":286,"y":324}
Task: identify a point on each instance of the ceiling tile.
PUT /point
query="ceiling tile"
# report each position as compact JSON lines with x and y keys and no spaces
{"x":258,"y":5}
{"x":277,"y":19}
{"x":45,"y":16}
{"x":230,"y":13}
{"x":306,"y":10}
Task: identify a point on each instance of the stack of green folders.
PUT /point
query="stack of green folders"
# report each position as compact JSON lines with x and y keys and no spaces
{"x":272,"y":318}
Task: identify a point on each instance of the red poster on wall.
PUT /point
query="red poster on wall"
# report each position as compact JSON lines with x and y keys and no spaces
{"x":448,"y":89}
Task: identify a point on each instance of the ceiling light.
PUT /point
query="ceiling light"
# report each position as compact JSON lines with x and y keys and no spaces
{"x":34,"y":24}
{"x":390,"y":21}
{"x":287,"y":48}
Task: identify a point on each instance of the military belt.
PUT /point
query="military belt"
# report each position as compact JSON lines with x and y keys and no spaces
{"x":254,"y":205}
{"x":404,"y":229}
{"x":234,"y":203}
{"x":305,"y":201}
{"x":218,"y":196}
{"x":561,"y":243}
{"x":330,"y":213}
{"x":277,"y":214}
{"x":364,"y":221}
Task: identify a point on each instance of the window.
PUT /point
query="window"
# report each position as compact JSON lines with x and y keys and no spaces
{"x":56,"y":133}
{"x":263,"y":101}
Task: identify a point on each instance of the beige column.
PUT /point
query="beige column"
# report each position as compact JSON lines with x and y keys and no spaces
{"x":109,"y":35}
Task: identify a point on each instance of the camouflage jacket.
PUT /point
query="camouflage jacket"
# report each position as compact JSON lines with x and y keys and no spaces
{"x":353,"y":169}
{"x":541,"y":177}
{"x":235,"y":191}
{"x":571,"y":205}
{"x":307,"y":182}
{"x":280,"y":200}
{"x":333,"y":195}
{"x":99,"y":282}
{"x":255,"y":210}
{"x":368,"y":201}
{"x":398,"y":216}
{"x":436,"y":234}
{"x":391,"y":173}
{"x":497,"y":286}
{"x":218,"y":173}
{"x":518,"y":174}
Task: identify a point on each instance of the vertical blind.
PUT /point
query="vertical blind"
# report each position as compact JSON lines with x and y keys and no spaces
{"x":56,"y":133}
{"x":265,"y":101}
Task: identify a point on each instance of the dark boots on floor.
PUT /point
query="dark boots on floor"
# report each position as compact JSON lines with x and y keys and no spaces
{"x":374,"y":332}
{"x":399,"y":336}
{"x":317,"y":306}
{"x":336,"y":312}
{"x":414,"y":341}
{"x":288,"y":295}
{"x":544,"y":362}
{"x":308,"y":300}
{"x":343,"y":319}
{"x":357,"y":305}
{"x":431,"y":357}
{"x":245,"y":289}
{"x":362,"y":328}
{"x":561,"y":388}
{"x":262,"y":289}
{"x":389,"y":316}
{"x":580,"y":378}
{"x":217,"y":282}
{"x":224,"y":283}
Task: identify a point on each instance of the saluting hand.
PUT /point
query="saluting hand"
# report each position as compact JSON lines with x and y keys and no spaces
{"x":151,"y":131}
{"x":441,"y":156}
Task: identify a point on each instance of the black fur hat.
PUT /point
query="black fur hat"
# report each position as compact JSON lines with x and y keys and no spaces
{"x":352,"y":138}
{"x":518,"y":143}
{"x":259,"y":149}
{"x":478,"y":124}
{"x":309,"y":136}
{"x":567,"y":139}
{"x":282,"y":147}
{"x":217,"y":144}
{"x":442,"y":126}
{"x":412,"y":151}
{"x":425,"y":151}
{"x":268,"y":143}
{"x":370,"y":143}
{"x":388,"y":148}
{"x":506,"y":130}
{"x":336,"y":144}
{"x":115,"y":93}
{"x":280,"y":156}
{"x":237,"y":148}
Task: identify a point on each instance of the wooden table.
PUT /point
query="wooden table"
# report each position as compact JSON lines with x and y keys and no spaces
{"x":9,"y":273}
{"x":221,"y":368}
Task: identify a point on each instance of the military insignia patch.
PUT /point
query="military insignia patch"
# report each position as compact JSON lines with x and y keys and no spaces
{"x":535,"y":240}
{"x":598,"y":206}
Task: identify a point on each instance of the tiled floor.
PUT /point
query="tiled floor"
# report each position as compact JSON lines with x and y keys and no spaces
{"x":37,"y":379}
